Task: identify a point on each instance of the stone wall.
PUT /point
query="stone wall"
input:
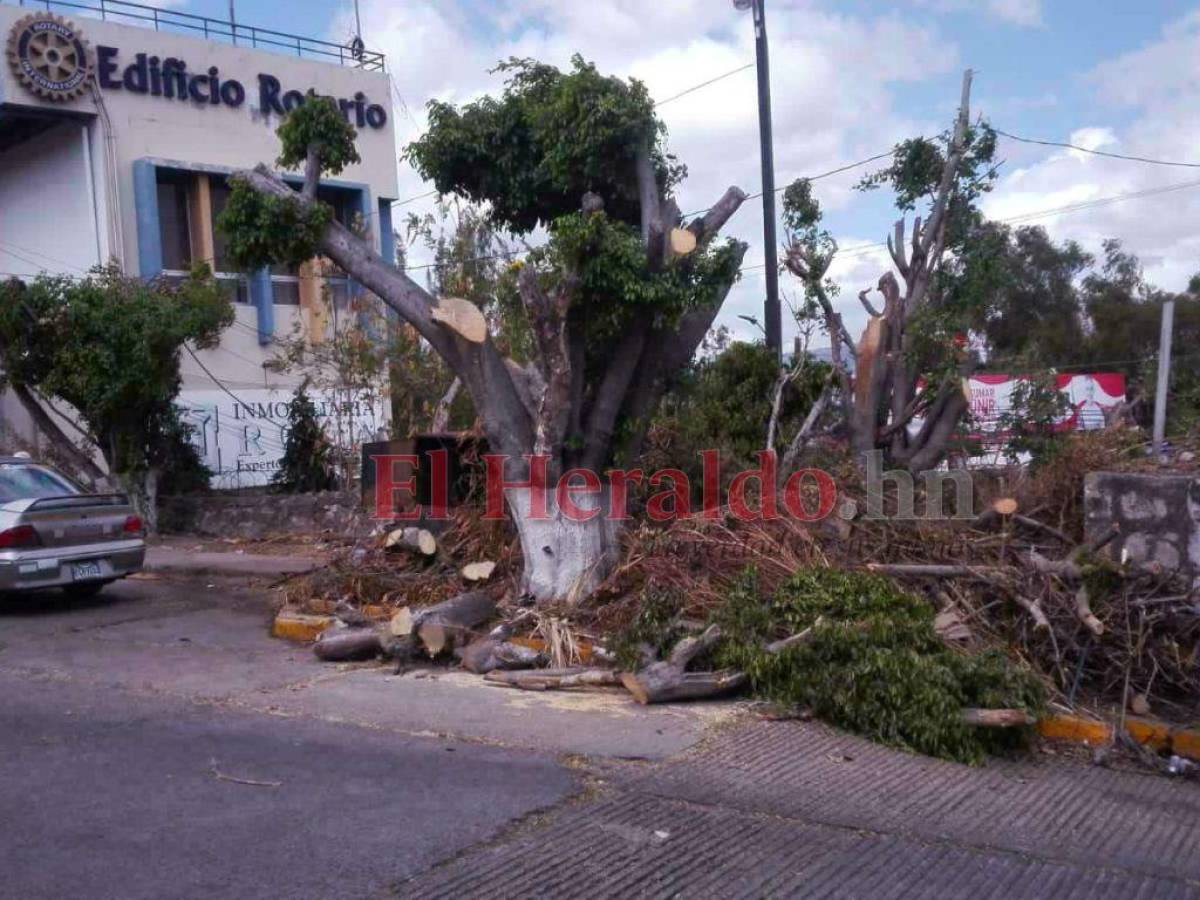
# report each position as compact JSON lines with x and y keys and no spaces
{"x":263,"y":514}
{"x":1159,"y":517}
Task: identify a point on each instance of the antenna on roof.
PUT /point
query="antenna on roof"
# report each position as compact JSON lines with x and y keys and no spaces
{"x":357,"y":47}
{"x":232,"y":24}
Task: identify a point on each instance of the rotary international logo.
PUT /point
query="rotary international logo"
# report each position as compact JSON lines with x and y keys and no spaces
{"x":49,"y":56}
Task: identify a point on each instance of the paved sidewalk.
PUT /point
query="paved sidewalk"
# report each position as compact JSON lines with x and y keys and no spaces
{"x":180,"y":559}
{"x":800,"y":810}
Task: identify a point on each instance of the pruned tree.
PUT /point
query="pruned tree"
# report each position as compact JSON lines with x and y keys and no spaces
{"x":909,"y":362}
{"x":614,"y":309}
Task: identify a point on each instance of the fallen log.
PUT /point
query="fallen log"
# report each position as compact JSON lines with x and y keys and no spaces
{"x":416,"y":539}
{"x":555,"y":679}
{"x":443,"y":626}
{"x":660,"y":684}
{"x":478,"y":571}
{"x":998,"y":718}
{"x":666,"y":682}
{"x":348,"y":645}
{"x":486,"y":655}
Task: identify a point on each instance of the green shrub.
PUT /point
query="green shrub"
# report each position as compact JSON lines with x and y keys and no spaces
{"x":307,"y":462}
{"x":874,"y":664}
{"x":656,"y":625}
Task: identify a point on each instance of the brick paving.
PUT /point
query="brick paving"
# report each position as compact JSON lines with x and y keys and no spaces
{"x":787,"y":809}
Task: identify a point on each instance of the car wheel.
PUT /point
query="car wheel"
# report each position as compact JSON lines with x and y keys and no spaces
{"x":84,"y":591}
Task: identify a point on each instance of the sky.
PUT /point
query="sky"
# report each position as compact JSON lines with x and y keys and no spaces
{"x":848,"y":80}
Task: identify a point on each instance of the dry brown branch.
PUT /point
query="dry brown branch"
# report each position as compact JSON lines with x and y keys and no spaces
{"x":555,"y":679}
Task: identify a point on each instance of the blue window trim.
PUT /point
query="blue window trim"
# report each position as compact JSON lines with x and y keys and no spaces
{"x":149,"y":236}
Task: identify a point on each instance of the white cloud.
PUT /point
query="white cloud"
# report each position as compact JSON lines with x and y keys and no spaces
{"x":1157,"y":83}
{"x":1024,"y":13}
{"x":834,"y":98}
{"x":1027,"y":13}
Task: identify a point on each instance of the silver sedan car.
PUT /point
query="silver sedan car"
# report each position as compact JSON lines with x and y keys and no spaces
{"x":55,"y":534}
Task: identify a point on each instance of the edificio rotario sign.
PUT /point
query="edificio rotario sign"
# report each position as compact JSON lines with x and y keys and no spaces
{"x":51,"y":59}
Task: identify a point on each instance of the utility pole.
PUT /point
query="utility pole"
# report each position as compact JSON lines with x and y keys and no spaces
{"x":772,"y":313}
{"x":1164,"y":376}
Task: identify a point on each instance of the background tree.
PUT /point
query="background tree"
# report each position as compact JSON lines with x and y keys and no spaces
{"x":1022,"y":293}
{"x":617,"y":299}
{"x":110,"y":346}
{"x":1123,"y":314}
{"x":307,"y":463}
{"x":473,"y":261}
{"x":723,"y":401}
{"x":916,"y":336}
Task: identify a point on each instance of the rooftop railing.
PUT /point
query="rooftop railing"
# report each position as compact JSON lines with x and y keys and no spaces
{"x":352,"y":54}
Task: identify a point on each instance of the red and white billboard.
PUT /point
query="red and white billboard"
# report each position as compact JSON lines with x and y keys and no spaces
{"x":1089,"y":397}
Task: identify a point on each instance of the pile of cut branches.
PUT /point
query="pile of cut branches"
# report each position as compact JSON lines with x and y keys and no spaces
{"x":411,"y":566}
{"x":1019,"y":579}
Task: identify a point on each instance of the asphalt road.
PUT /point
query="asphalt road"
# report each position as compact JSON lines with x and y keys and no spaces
{"x":121,"y":778}
{"x":156,"y":743}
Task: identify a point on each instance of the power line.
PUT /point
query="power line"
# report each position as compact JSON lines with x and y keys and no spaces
{"x":1104,"y":201}
{"x":704,"y":84}
{"x":1141,"y":159}
{"x":818,"y":177}
{"x":396,"y":203}
{"x":269,"y":442}
{"x":1025,"y":217}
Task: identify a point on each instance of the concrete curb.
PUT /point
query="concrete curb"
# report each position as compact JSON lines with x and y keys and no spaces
{"x":1096,"y":733}
{"x":290,"y":624}
{"x":304,"y":628}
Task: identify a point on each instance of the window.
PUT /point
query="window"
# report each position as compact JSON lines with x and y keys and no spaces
{"x":219,"y":191}
{"x":22,"y":481}
{"x":174,"y":227}
{"x":179,"y":217}
{"x":285,"y":285}
{"x":223,"y":267}
{"x":340,"y":199}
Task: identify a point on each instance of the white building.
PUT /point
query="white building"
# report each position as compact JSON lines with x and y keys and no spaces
{"x":118,"y":128}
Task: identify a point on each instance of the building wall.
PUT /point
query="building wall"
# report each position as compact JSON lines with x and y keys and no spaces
{"x":45,"y":182}
{"x":46,"y":210}
{"x":189,"y":132}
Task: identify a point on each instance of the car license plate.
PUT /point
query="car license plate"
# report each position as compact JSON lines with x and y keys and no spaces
{"x":82,"y":570}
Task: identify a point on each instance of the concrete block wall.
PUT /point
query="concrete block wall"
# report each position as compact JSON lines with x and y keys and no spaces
{"x":256,"y":515}
{"x":1158,"y":514}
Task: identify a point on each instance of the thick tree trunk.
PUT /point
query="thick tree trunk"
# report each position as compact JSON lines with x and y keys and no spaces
{"x":142,"y":489}
{"x":565,"y":559}
{"x":446,"y":625}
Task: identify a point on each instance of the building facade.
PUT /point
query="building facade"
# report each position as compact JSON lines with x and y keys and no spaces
{"x":117,"y":137}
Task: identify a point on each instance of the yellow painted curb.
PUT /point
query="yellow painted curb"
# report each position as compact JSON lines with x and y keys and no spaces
{"x":1094,"y":733}
{"x":299,"y":627}
{"x":373,"y":612}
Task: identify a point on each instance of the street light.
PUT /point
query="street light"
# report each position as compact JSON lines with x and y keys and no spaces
{"x":772,"y":312}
